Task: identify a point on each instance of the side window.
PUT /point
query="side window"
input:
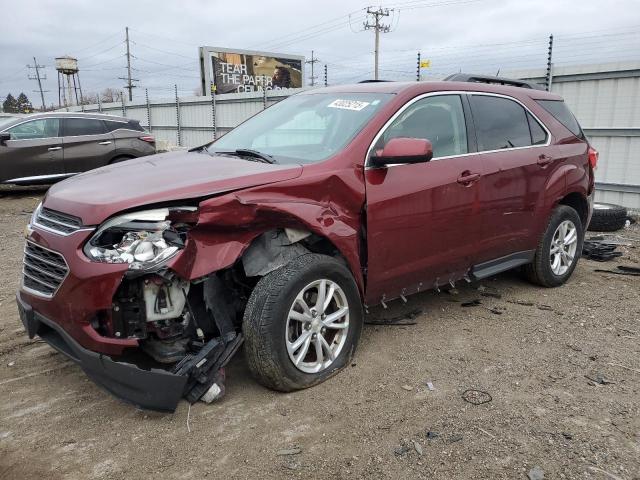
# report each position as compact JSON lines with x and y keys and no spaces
{"x":42,"y":128}
{"x":538,"y":135}
{"x":500,"y":123}
{"x":111,"y":125}
{"x":82,"y":126}
{"x":439,"y":119}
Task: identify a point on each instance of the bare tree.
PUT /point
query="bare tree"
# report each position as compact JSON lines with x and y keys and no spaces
{"x":110,"y":95}
{"x":90,"y":98}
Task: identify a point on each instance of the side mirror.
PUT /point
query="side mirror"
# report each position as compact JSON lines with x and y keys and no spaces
{"x":4,"y":138}
{"x":403,"y":150}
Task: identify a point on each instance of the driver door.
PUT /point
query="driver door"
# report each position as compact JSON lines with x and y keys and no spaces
{"x":34,"y":151}
{"x":423,"y":219}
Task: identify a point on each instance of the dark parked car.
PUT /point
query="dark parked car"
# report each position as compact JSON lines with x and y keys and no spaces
{"x":151,"y":273}
{"x":47,"y":147}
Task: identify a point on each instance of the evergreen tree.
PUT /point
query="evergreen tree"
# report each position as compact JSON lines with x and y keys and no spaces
{"x":10,"y":105}
{"x":23,"y":104}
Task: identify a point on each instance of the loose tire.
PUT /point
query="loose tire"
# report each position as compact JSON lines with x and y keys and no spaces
{"x":286,"y":314}
{"x":559,"y":249}
{"x":607,"y":217}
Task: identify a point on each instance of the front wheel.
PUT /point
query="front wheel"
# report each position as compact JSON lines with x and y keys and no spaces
{"x":302,"y":323}
{"x":559,"y":249}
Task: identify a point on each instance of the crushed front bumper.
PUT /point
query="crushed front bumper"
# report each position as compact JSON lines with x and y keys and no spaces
{"x":152,"y":389}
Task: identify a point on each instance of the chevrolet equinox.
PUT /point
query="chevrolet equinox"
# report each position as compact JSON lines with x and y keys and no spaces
{"x":150,"y":274}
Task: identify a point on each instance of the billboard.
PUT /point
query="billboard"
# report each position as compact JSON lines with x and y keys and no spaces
{"x":225,"y":70}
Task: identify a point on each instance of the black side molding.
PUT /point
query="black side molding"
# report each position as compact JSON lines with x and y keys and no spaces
{"x":492,"y":267}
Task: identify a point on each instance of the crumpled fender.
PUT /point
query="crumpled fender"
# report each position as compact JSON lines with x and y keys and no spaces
{"x":327,"y":204}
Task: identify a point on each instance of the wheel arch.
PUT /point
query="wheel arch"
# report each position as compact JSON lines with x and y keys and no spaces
{"x":208,"y":251}
{"x":578,"y":201}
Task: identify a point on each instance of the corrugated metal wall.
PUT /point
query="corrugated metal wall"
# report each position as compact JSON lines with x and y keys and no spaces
{"x":605,"y":98}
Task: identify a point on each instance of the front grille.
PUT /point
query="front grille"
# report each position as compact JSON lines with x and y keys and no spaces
{"x":57,"y":222}
{"x":43,"y":270}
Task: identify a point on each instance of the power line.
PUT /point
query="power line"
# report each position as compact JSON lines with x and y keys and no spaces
{"x":130,"y":86}
{"x":378,"y":28}
{"x":312,"y":62}
{"x":39,"y":79}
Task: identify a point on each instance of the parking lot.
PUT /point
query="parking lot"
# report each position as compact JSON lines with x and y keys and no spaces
{"x":561,"y":368}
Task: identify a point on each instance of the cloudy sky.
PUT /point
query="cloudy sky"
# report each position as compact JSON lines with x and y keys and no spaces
{"x":469,"y":35}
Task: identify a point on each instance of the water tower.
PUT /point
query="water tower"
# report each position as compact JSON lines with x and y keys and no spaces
{"x":68,"y":81}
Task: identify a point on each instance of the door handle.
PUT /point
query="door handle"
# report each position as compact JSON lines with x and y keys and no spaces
{"x":106,"y":142}
{"x":544,"y":160}
{"x":467,"y":178}
{"x":53,"y":149}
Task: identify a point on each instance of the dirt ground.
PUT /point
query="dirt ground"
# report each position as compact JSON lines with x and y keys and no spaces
{"x":545,"y":357}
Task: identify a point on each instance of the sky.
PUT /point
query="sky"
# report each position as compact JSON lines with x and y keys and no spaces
{"x":479,"y":36}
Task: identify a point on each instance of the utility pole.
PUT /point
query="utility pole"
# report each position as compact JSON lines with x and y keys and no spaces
{"x":377,"y":27}
{"x":325,"y":75}
{"x":418,"y":71}
{"x":313,"y":61}
{"x":549,"y":77}
{"x":130,"y":86}
{"x":39,"y":78}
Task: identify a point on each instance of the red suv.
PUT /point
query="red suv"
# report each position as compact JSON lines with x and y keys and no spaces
{"x":151,"y":273}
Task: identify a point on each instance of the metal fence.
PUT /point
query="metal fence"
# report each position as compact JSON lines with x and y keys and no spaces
{"x":606,"y":100}
{"x":191,"y":121}
{"x":604,"y":97}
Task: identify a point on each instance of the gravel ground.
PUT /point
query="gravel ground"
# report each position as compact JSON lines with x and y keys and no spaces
{"x":561,"y":368}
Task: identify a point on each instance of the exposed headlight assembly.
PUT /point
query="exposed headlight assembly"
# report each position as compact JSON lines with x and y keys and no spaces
{"x":143,"y":239}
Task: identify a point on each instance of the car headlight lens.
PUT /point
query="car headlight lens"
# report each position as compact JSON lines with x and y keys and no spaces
{"x":141,"y":239}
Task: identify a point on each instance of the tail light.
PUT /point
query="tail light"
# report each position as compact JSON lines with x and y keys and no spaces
{"x":151,"y":139}
{"x":593,"y":157}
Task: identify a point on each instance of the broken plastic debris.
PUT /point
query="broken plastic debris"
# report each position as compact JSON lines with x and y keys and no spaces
{"x":212,"y":394}
{"x":430,"y":386}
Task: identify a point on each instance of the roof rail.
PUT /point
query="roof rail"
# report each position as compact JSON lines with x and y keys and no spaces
{"x":374,"y":81}
{"x":466,"y":77}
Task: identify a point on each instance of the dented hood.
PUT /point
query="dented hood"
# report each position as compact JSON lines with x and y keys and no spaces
{"x":98,"y":194}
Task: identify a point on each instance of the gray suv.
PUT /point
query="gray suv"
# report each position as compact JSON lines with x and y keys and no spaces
{"x":47,"y":147}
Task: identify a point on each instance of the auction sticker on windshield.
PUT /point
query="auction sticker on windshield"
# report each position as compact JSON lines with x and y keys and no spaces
{"x":348,"y":104}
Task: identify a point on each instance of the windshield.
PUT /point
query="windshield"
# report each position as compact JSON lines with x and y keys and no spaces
{"x":6,"y":120}
{"x":304,"y":128}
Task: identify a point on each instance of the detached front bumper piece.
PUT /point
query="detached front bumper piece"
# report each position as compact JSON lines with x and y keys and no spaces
{"x":152,"y":389}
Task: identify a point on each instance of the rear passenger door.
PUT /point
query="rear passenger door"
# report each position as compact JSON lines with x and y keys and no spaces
{"x":87,"y":144}
{"x":516,"y":157}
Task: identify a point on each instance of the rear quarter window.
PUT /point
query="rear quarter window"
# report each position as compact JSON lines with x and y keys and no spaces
{"x":561,"y":112}
{"x":135,"y":125}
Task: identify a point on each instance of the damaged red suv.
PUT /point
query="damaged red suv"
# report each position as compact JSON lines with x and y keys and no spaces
{"x":150,"y":274}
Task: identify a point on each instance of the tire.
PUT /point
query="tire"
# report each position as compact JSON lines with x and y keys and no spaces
{"x":267,"y":324}
{"x":541,"y":271}
{"x":607,"y":217}
{"x":122,"y":158}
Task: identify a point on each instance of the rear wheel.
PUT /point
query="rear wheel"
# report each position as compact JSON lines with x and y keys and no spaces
{"x":559,"y":249}
{"x":302,"y":323}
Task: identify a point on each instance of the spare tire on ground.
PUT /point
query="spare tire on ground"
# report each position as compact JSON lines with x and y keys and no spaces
{"x":607,"y":217}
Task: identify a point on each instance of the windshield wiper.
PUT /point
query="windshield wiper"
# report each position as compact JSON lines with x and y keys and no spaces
{"x":256,"y":154}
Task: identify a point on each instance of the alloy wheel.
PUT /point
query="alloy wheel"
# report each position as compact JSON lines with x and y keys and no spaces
{"x":317,"y":326}
{"x":563,"y":247}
